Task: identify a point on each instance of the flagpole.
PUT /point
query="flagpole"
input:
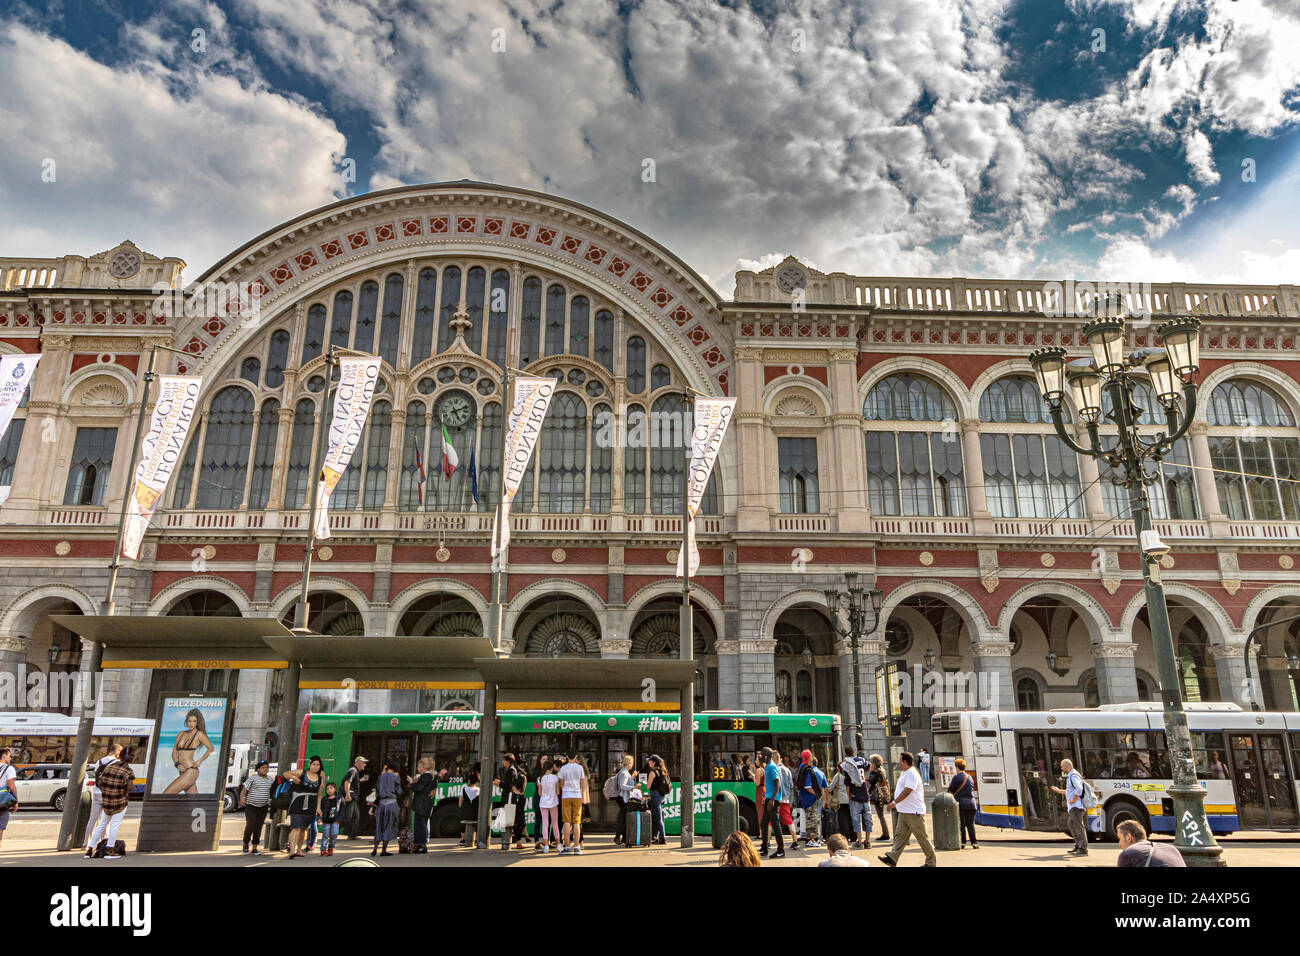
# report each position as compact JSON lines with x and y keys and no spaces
{"x":85,"y":726}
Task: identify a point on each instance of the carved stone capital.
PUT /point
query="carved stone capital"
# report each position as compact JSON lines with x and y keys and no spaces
{"x":844,"y":355}
{"x":753,"y":645}
{"x":991,"y":649}
{"x":611,"y":646}
{"x":1232,"y":652}
{"x":1113,"y":651}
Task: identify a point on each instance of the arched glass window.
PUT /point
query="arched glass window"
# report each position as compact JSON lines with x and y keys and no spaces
{"x":226,"y":447}
{"x":907,"y":398}
{"x":379,"y":433}
{"x":634,"y":461}
{"x":1027,"y":474}
{"x":918,"y":471}
{"x":797,"y":473}
{"x":92,"y":456}
{"x":448,"y":303}
{"x":348,"y":490}
{"x":456,"y":413}
{"x":580,"y":326}
{"x":660,"y":377}
{"x":251,"y":369}
{"x":562,"y":456}
{"x":1015,"y":398}
{"x":390,"y":333}
{"x":602,"y":458}
{"x":414,"y":460}
{"x":489,"y":460}
{"x":1255,"y":451}
{"x":268,"y":428}
{"x":636,"y":365}
{"x":367,"y":309}
{"x":299,"y":468}
{"x":803,"y":684}
{"x":1028,"y":696}
{"x":667,"y":461}
{"x":313,"y":336}
{"x":341,"y":325}
{"x":555,"y":319}
{"x":185,"y":474}
{"x":530,"y":327}
{"x":784,"y":698}
{"x":1172,"y":497}
{"x":475,"y":291}
{"x":498,"y":312}
{"x":277,"y":358}
{"x":426,"y":294}
{"x":604,"y":345}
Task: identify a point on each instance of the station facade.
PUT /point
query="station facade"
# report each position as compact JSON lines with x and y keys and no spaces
{"x":886,"y":426}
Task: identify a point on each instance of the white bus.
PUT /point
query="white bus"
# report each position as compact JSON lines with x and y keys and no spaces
{"x":36,"y":737}
{"x":1247,"y":762}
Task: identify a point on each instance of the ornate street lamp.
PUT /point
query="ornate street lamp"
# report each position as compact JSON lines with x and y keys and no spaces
{"x":858,"y":602}
{"x":1172,"y":375}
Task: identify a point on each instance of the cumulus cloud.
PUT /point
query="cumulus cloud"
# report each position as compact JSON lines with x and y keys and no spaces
{"x":183,"y":161}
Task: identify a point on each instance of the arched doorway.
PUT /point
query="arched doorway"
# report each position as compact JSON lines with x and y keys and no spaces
{"x":1052,"y":650}
{"x":1278,"y":659}
{"x":438,"y":615}
{"x":656,"y":632}
{"x":55,"y":653}
{"x":805,"y":666}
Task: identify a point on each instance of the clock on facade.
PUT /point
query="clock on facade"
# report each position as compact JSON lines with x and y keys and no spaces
{"x":454,"y":411}
{"x":789,"y":278}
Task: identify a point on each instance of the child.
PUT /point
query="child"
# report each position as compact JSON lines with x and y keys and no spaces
{"x":328,"y":815}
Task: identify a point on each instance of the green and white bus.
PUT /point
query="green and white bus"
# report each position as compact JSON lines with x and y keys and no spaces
{"x":725,"y":745}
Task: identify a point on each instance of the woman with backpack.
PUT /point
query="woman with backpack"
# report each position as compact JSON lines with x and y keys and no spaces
{"x":878,"y":788}
{"x":660,"y":785}
{"x":305,"y":791}
{"x":962,"y":788}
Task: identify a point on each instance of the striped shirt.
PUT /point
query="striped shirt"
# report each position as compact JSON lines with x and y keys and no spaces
{"x":258,"y":789}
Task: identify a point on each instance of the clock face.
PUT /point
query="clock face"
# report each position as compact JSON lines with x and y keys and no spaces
{"x":454,"y":411}
{"x":790,"y":278}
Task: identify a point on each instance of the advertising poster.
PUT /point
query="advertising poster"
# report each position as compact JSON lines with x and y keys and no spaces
{"x":188,"y":755}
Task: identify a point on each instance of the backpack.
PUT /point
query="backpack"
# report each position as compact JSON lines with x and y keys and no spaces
{"x":1088,"y":799}
{"x":282,"y":795}
{"x":808,"y":778}
{"x":610,"y":790}
{"x":662,"y":786}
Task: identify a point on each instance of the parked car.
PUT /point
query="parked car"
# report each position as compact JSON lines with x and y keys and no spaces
{"x":45,"y":784}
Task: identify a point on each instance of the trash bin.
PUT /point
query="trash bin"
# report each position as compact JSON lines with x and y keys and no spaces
{"x":947,"y":824}
{"x":725,"y":818}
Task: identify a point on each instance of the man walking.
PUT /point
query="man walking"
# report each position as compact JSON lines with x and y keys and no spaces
{"x":255,"y":798}
{"x":786,"y":798}
{"x":96,"y":801}
{"x":811,"y":785}
{"x":114,"y":783}
{"x":910,"y":804}
{"x":771,"y":802}
{"x":1073,"y":792}
{"x":352,"y":781}
{"x":854,"y":769}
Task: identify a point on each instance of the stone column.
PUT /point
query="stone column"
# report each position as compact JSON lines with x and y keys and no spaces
{"x":251,"y":708}
{"x":992,"y":656}
{"x":754,"y":506}
{"x":973,"y":467}
{"x":1116,"y":672}
{"x":283,"y":438}
{"x":853,"y":511}
{"x":747,"y":666}
{"x":1094,"y":505}
{"x":1228,"y":661}
{"x":728,"y":674}
{"x":1199,"y":446}
{"x":871,"y":654}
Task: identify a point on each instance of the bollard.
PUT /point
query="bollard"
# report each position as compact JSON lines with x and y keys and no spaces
{"x":83,"y":816}
{"x":947,"y":824}
{"x":725,"y":817}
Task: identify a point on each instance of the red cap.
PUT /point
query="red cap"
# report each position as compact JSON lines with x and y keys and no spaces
{"x":806,"y":756}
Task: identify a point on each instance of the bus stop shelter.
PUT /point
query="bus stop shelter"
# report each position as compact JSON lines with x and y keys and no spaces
{"x":171,"y":643}
{"x":570,"y":683}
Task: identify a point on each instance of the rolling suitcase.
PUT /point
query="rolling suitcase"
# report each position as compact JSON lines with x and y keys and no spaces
{"x":639,"y":828}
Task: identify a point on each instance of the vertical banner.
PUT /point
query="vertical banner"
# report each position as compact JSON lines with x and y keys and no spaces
{"x":160,"y":452}
{"x":15,"y":373}
{"x":531,"y":400}
{"x":352,"y":398}
{"x":712,"y":416}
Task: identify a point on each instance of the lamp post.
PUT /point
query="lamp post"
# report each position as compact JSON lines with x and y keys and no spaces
{"x":1292,"y":664}
{"x":1172,"y":372}
{"x":858,"y":601}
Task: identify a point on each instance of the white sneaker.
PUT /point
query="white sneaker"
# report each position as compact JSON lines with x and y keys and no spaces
{"x":577,"y":850}
{"x":545,"y":849}
{"x":565,"y":851}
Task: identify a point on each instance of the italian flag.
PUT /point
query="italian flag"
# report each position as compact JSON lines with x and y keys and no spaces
{"x":450,"y":461}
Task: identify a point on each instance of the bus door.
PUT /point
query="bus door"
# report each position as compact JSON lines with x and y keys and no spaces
{"x":614,"y":747}
{"x":394,"y":749}
{"x":1037,"y":802}
{"x":1265,"y":793}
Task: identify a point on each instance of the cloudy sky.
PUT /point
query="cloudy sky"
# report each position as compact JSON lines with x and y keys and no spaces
{"x":1121,"y":139}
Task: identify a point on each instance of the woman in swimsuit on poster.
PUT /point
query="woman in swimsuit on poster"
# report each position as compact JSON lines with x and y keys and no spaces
{"x":185,"y":754}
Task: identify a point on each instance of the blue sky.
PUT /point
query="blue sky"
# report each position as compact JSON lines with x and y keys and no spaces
{"x":1019,"y":138}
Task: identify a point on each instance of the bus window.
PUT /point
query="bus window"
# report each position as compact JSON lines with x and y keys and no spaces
{"x":1211,"y":755}
{"x":666,"y":746}
{"x":455,"y":753}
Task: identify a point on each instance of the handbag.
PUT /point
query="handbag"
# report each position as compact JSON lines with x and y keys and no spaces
{"x":505,"y":817}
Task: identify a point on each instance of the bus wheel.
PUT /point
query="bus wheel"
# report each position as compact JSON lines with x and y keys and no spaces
{"x":445,"y":822}
{"x":748,"y":820}
{"x":1121,"y":810}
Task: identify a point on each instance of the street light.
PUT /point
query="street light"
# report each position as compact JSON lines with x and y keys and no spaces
{"x":858,"y":600}
{"x":1173,"y":380}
